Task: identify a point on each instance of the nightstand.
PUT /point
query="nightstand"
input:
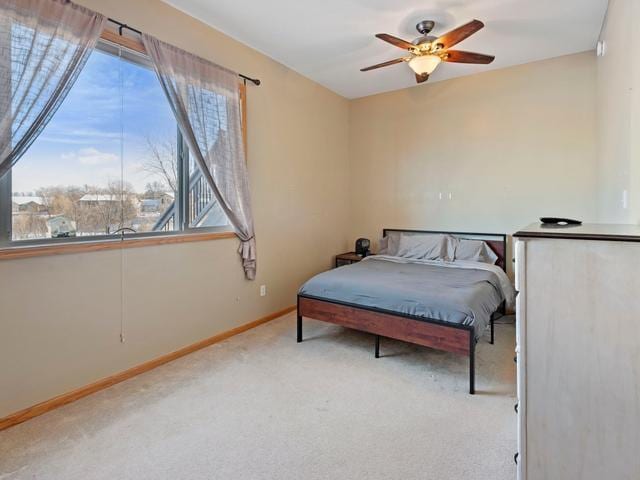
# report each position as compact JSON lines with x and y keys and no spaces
{"x":348,"y":258}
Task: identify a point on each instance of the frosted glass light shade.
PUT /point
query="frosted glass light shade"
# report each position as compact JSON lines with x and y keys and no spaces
{"x":424,"y":64}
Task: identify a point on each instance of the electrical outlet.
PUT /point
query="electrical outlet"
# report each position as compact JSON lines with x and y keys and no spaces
{"x":601,"y":48}
{"x":263,"y":290}
{"x":625,"y":199}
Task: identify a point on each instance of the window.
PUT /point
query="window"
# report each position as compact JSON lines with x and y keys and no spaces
{"x":111,"y":158}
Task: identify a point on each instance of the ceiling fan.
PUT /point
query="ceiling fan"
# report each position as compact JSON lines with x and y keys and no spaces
{"x":427,"y":51}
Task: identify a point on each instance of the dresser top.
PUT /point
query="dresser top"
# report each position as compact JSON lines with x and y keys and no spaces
{"x":586,"y":231}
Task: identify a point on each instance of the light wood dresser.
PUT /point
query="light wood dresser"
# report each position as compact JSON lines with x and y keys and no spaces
{"x":578,"y":352}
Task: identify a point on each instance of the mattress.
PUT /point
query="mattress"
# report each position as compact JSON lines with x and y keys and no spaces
{"x":464,"y":293}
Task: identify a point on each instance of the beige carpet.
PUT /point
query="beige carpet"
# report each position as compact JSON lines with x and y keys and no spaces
{"x":261,"y":406}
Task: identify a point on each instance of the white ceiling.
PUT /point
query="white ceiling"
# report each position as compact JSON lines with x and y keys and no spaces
{"x":330,"y":40}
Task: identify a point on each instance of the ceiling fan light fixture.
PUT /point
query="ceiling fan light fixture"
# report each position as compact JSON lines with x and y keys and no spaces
{"x":427,"y":51}
{"x":424,"y":64}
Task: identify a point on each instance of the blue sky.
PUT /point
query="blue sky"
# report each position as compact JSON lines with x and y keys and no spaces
{"x":82,"y":142}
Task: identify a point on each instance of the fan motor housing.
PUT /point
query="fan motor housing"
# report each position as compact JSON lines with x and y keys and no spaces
{"x":424,"y":39}
{"x":425,"y":26}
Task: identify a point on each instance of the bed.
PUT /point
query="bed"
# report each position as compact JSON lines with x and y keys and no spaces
{"x":446,"y":305}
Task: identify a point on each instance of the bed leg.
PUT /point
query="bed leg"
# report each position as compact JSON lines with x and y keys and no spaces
{"x":472,"y":363}
{"x":492,"y":324}
{"x":299,"y":328}
{"x":377,"y":346}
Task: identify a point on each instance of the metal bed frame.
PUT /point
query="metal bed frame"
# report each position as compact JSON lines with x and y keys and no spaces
{"x":423,"y":331}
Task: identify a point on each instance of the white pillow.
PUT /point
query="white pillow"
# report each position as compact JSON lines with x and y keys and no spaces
{"x":422,"y":246}
{"x":475,"y":250}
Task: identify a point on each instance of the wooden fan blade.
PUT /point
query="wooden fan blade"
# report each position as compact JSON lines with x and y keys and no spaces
{"x":398,"y":42}
{"x":422,"y":78}
{"x":456,"y":35}
{"x":458,"y":56}
{"x":383,"y":64}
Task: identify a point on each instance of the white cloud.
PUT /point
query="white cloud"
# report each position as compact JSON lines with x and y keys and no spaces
{"x":91,"y":156}
{"x":62,"y":133}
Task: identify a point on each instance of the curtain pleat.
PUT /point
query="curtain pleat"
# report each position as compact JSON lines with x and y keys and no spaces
{"x":43,"y":46}
{"x":206,"y":102}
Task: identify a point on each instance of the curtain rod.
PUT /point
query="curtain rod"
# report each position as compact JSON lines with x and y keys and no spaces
{"x":121,"y":26}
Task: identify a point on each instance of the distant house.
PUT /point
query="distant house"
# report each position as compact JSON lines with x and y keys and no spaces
{"x":150,"y":205}
{"x":27,"y":204}
{"x":158,"y":203}
{"x":60,"y":226}
{"x":95,"y":199}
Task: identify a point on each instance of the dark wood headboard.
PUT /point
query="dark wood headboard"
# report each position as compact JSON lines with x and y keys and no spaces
{"x":497,"y":241}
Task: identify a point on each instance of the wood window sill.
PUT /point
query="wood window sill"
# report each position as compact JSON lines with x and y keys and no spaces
{"x":24,"y":251}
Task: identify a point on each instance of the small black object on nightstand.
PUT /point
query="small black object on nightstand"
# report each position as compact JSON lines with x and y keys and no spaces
{"x":362,"y":246}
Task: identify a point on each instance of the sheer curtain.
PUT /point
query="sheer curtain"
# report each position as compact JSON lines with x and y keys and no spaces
{"x":43,"y":46}
{"x":206,"y":101}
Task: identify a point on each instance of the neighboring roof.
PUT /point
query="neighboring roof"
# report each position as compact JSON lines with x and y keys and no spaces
{"x":22,"y":200}
{"x":100,"y":197}
{"x":158,"y":196}
{"x":60,"y":219}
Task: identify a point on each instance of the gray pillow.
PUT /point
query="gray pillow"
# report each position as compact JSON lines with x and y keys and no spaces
{"x":422,"y":246}
{"x":451,"y":245}
{"x":475,"y":250}
{"x":389,"y":244}
{"x":383,"y":246}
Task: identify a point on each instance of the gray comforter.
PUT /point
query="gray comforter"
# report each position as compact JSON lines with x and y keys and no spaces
{"x":465,"y":295}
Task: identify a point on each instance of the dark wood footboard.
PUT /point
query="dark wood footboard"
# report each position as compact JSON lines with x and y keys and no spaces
{"x":426,"y":332}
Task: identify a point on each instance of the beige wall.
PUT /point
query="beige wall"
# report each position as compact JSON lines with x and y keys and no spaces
{"x":618,"y":94}
{"x":61,"y":315}
{"x":509,"y":145}
{"x":323,"y":171}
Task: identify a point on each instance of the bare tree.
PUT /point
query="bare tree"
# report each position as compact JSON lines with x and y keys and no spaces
{"x":29,"y":225}
{"x":154,"y":190}
{"x":162,"y":161}
{"x":107,"y":209}
{"x":62,"y":200}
